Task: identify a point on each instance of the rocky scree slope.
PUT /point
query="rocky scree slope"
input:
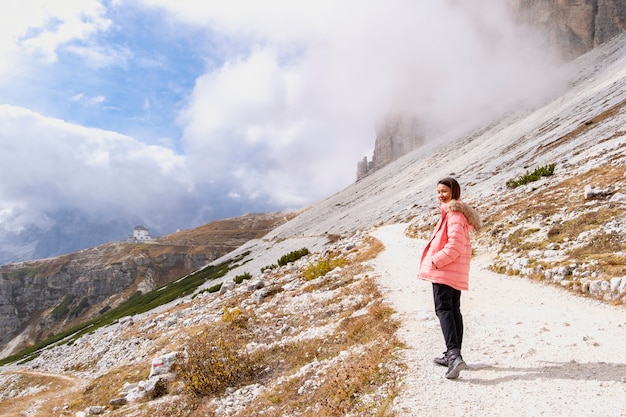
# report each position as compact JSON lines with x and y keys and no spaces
{"x":314,"y":338}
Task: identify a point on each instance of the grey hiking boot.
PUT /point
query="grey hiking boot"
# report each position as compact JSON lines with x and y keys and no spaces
{"x":455,"y":363}
{"x":455,"y":367}
{"x":443,"y":361}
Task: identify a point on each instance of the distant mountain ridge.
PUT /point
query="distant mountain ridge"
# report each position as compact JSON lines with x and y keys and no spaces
{"x":69,"y":230}
{"x":76,"y":286}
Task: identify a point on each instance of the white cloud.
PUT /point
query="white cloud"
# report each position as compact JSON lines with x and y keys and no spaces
{"x":287,"y":106}
{"x":40,"y":27}
{"x":294,"y":105}
{"x":260,"y":124}
{"x":52,"y":164}
{"x":97,"y":56}
{"x":88,"y":101}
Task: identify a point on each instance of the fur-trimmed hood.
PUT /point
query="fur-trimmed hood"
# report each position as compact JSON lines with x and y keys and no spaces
{"x":472,"y":216}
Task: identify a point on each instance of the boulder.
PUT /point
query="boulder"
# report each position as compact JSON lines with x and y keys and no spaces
{"x":162,"y":364}
{"x":227,"y":286}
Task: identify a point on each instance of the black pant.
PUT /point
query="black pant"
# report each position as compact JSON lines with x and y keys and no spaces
{"x":448,"y":309}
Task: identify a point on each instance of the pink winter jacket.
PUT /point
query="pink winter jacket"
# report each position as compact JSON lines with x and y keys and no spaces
{"x":446,"y":257}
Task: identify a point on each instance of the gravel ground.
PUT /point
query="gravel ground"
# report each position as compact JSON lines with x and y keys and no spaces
{"x":532,"y":349}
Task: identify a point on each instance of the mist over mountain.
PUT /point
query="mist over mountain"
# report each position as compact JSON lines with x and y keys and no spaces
{"x":566,"y":29}
{"x":69,"y":230}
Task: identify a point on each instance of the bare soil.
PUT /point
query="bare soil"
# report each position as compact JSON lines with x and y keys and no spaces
{"x":54,"y":388}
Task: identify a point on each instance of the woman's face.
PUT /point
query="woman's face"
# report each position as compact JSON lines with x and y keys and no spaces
{"x":444,"y":193}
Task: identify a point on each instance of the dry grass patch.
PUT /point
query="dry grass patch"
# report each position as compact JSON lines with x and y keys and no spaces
{"x":34,"y":393}
{"x":603,"y":249}
{"x":520,"y":239}
{"x":24,"y":382}
{"x":344,"y":368}
{"x":339,"y":393}
{"x":372,"y":247}
{"x":367,"y":327}
{"x":214,"y":363}
{"x":586,"y":221}
{"x":327,"y":373}
{"x":558,"y":198}
{"x":186,"y":405}
{"x":556,"y":216}
{"x":284,"y":359}
{"x":106,"y":387}
{"x":319,"y":348}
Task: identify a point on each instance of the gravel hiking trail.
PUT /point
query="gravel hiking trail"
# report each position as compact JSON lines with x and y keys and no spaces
{"x":532,"y":349}
{"x":55,"y":387}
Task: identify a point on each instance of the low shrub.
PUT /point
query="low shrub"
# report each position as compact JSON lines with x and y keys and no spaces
{"x":235,"y":317}
{"x":61,"y":311}
{"x":82,"y":305}
{"x":322,"y":267}
{"x":212,"y":365}
{"x":240,"y":278}
{"x":292,"y":256}
{"x":544,"y":171}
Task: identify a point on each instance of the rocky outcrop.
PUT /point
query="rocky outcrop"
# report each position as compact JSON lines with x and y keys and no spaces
{"x":573,"y":27}
{"x":398,"y":135}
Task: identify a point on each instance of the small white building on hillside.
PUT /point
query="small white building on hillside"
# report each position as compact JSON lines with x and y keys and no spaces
{"x":140,"y":234}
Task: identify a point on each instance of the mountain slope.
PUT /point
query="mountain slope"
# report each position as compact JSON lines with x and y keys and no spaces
{"x":314,"y":331}
{"x":47,"y":296}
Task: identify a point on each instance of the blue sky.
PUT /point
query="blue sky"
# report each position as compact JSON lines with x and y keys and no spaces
{"x":138,"y":74}
{"x":182,"y":112}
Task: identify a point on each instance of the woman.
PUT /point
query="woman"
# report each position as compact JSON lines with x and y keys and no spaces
{"x":445,"y":262}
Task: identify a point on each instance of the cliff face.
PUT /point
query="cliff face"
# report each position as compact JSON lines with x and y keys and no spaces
{"x":48,"y":295}
{"x":396,"y":136}
{"x":571,"y":28}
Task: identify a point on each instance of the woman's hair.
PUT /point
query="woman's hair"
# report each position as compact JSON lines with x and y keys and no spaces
{"x":453,"y":186}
